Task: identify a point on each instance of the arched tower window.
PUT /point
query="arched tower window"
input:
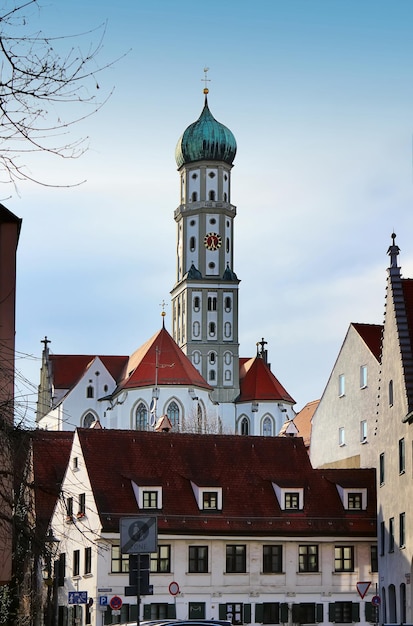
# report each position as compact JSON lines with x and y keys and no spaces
{"x":141,"y":417}
{"x":212,"y":195}
{"x":197,"y":303}
{"x":194,"y":196}
{"x":192,"y":244}
{"x":89,"y":391}
{"x":173,"y":414}
{"x":245,"y":426}
{"x":212,"y":303}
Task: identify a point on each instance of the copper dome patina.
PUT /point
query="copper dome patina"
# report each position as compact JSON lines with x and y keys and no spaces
{"x":206,"y":140}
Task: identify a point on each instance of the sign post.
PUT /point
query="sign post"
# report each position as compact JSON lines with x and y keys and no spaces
{"x":138,"y":535}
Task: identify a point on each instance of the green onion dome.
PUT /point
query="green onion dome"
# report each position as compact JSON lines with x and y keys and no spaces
{"x":206,"y":140}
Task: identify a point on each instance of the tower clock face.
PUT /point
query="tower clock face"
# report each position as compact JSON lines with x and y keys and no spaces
{"x":212,"y":241}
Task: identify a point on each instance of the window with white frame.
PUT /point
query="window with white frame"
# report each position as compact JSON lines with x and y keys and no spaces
{"x":148,"y":496}
{"x":208,"y":498}
{"x":363,"y":376}
{"x":289,"y":498}
{"x":341,"y":385}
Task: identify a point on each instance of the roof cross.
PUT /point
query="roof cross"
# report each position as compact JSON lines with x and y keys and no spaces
{"x":206,"y":80}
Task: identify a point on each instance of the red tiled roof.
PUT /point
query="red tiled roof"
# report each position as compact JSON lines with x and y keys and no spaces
{"x":174,"y":367}
{"x":51,"y":450}
{"x":69,"y":368}
{"x":245,"y":468}
{"x":303,"y":420}
{"x":257,"y":382}
{"x":371,"y":335}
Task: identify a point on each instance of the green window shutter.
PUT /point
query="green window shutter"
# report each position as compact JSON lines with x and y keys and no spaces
{"x":147,"y":611}
{"x":369,"y":612}
{"x":222,"y":611}
{"x":319,"y":616}
{"x":133,"y":614}
{"x":247,"y":614}
{"x":171,"y":611}
{"x":296,"y":613}
{"x":284,"y":612}
{"x":331,"y":612}
{"x":124,"y":613}
{"x":258,"y":613}
{"x":355,"y":611}
{"x":108,"y":616}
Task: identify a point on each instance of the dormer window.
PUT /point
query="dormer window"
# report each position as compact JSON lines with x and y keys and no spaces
{"x":353,"y":499}
{"x":208,"y":498}
{"x":289,"y":499}
{"x":148,"y":497}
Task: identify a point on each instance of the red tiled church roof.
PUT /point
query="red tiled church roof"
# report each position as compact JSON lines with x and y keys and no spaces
{"x":257,"y":382}
{"x":69,"y":368}
{"x":244,"y":467}
{"x":160,"y":359}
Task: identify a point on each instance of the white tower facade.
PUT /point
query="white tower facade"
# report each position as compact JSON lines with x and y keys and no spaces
{"x":205,"y":296}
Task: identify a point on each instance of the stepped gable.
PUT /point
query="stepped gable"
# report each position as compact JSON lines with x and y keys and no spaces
{"x":160,"y":360}
{"x":245,"y":468}
{"x":372,"y":336}
{"x":51,"y":451}
{"x":257,"y":382}
{"x":68,"y":369}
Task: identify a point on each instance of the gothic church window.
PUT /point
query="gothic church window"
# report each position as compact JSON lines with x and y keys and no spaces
{"x":89,"y":391}
{"x":141,"y":417}
{"x":173,"y":414}
{"x":267,"y":427}
{"x":88,"y":420}
{"x":245,"y":426}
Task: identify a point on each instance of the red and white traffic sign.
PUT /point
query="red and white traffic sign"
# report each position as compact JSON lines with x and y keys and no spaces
{"x":363,"y":588}
{"x":174,"y":588}
{"x":376,"y":600}
{"x":115,"y":603}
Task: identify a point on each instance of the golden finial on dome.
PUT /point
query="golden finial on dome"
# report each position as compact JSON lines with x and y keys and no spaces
{"x":206,"y":80}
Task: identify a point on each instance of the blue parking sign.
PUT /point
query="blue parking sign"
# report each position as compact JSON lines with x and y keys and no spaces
{"x":103,"y":600}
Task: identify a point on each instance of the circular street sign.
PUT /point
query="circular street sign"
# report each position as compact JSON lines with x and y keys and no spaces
{"x":376,"y":600}
{"x":115,"y":603}
{"x":174,"y":588}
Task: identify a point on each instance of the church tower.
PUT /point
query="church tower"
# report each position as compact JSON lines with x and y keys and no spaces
{"x":205,"y":296}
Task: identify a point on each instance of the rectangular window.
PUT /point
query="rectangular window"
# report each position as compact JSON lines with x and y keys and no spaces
{"x":363,"y":376}
{"x":272,"y":562}
{"x":158,"y":610}
{"x":236,"y":561}
{"x":374,"y":562}
{"x":69,"y":507}
{"x":88,"y":560}
{"x":402,"y":457}
{"x":343,"y":612}
{"x":119,"y":561}
{"x":198,"y":559}
{"x":61,"y":570}
{"x":210,"y":500}
{"x":150,"y":499}
{"x":381,"y":468}
{"x":391,"y":534}
{"x":363,"y":431}
{"x":382,"y":538}
{"x":292,"y":500}
{"x":271,"y":613}
{"x":402,"y":530}
{"x":308,"y":558}
{"x":355,"y":501}
{"x":344,"y":558}
{"x":305,"y":613}
{"x":341,"y":385}
{"x":76,"y":562}
{"x":161,"y":560}
{"x":82,"y":505}
{"x":341,"y":437}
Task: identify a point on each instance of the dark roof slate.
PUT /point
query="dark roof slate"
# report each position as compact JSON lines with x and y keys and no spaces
{"x":244,"y":467}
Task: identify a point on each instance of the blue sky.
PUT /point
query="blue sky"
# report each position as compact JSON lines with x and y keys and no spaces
{"x":319,"y":95}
